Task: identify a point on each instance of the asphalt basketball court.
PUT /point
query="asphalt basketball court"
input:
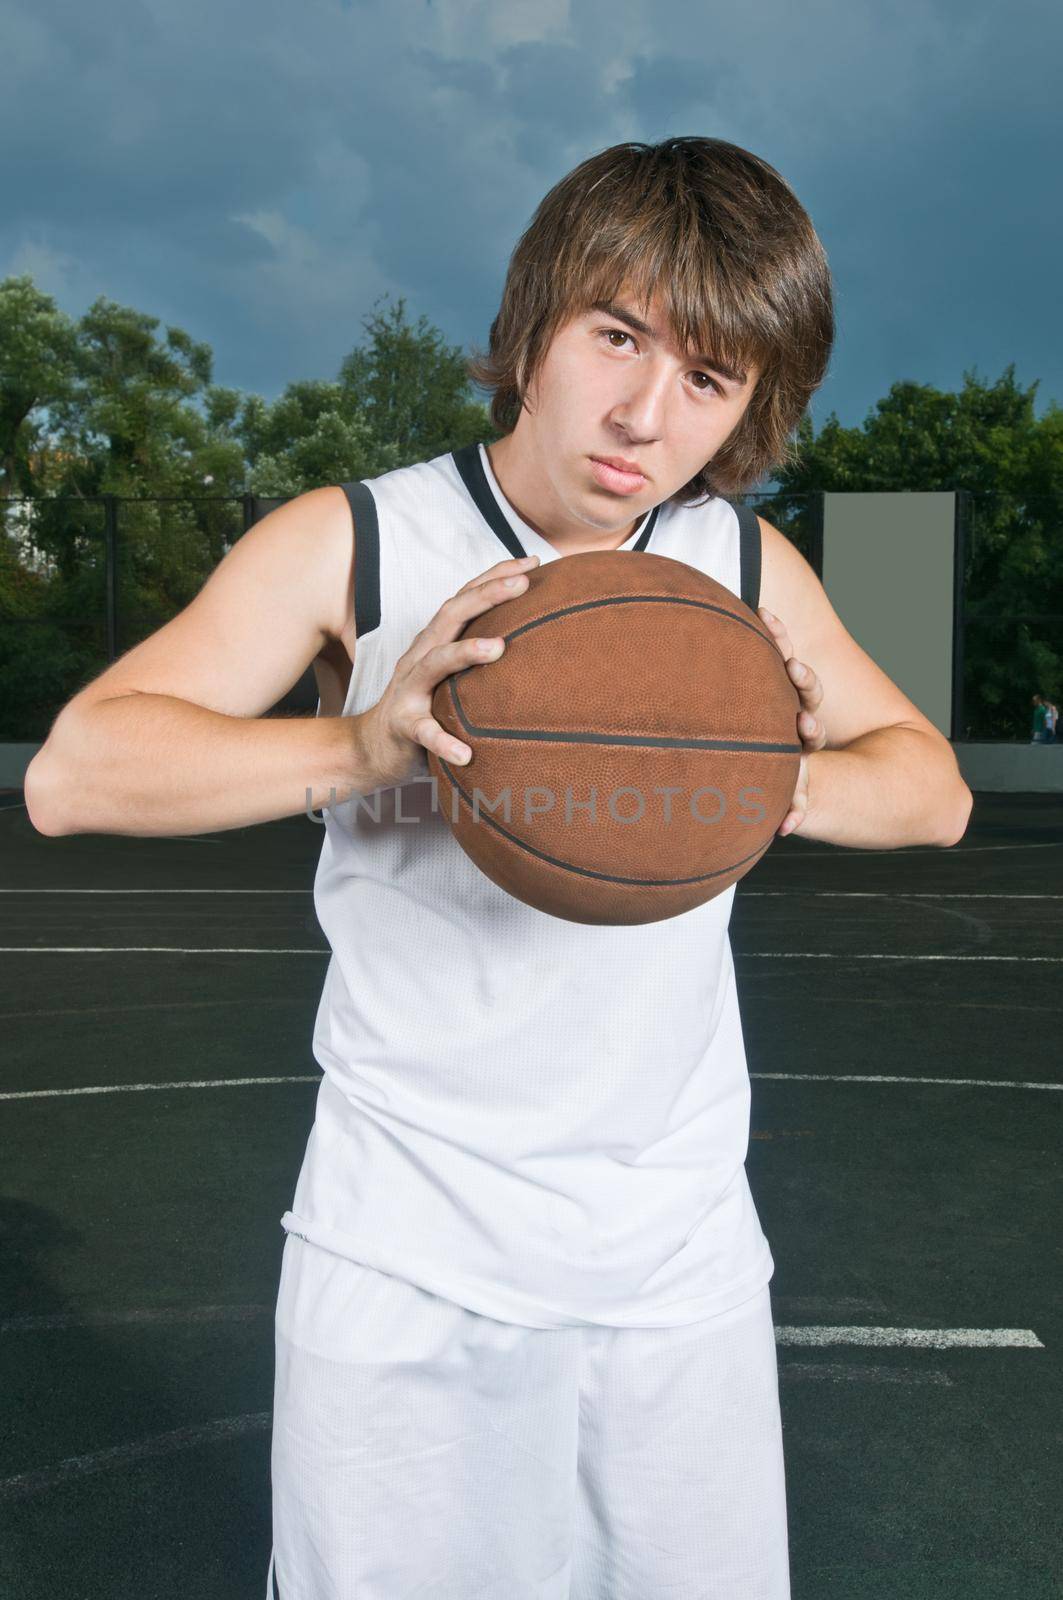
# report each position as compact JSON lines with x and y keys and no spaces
{"x":902,"y":1014}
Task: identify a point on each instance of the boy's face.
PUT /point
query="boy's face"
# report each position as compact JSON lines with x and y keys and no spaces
{"x":610,"y":388}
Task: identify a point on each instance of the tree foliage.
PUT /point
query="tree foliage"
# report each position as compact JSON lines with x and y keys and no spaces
{"x":38,"y":353}
{"x":986,"y":440}
{"x":112,"y":404}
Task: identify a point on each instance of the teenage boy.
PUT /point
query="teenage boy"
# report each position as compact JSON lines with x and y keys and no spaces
{"x":524,"y":1341}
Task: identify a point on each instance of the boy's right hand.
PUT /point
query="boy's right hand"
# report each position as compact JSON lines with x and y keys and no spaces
{"x":401,"y":724}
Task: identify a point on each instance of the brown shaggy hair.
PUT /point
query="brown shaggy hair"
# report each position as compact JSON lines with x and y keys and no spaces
{"x":741,"y":270}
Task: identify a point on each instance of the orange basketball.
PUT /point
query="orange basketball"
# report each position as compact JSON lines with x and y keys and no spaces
{"x":635,"y":746}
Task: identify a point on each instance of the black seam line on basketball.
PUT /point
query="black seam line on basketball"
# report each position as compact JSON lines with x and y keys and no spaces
{"x":587,"y":872}
{"x":621,"y":739}
{"x":632,"y":600}
{"x":656,"y":741}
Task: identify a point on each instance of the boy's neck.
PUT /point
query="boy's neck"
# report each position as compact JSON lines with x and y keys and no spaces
{"x":523,"y":487}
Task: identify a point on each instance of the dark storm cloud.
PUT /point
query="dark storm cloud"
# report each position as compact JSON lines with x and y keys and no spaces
{"x":261,"y":173}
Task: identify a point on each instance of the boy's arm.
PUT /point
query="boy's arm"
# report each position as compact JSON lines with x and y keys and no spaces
{"x":172,"y":739}
{"x":876,"y":772}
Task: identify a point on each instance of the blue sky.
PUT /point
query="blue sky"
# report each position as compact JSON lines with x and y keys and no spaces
{"x":259,"y":173}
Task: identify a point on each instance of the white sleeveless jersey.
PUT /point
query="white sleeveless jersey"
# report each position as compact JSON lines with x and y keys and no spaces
{"x":543,"y":1121}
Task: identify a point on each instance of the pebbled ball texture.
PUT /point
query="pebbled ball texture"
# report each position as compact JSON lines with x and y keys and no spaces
{"x":625,"y":675}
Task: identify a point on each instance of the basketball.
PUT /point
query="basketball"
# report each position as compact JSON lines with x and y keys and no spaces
{"x":635,"y":746}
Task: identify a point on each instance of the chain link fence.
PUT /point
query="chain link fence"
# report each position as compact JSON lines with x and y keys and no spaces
{"x":84,"y":580}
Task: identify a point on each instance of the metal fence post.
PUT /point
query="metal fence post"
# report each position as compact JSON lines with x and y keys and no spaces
{"x":110,"y":527}
{"x":961,"y":525}
{"x":815,"y":532}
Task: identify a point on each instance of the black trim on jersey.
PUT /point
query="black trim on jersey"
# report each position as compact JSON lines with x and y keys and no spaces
{"x":749,"y":554}
{"x":366,"y":558}
{"x":471,"y":467}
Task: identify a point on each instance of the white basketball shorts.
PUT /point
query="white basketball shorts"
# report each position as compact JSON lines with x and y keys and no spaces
{"x":421,"y":1449}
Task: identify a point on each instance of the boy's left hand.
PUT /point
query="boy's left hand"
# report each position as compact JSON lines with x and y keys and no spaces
{"x":810,"y":730}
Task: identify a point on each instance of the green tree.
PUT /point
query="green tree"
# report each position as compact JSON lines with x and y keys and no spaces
{"x":132,"y":422}
{"x":109,"y":406}
{"x":414,"y":387}
{"x":987,"y":440}
{"x":313,"y":434}
{"x":402,"y":397}
{"x":38,"y":347}
{"x":125,"y":417}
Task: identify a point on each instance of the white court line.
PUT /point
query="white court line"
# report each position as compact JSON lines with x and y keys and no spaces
{"x":123,"y":1455}
{"x":914,"y":1338}
{"x":225,"y":1428}
{"x":156,"y":950}
{"x":881,"y":894}
{"x":281,"y":950}
{"x":316,"y":1077}
{"x":140,"y":1088}
{"x":805,"y":1334}
{"x":748,"y":894}
{"x":861,"y":1372}
{"x":873,"y":955}
{"x":872,"y":1077}
{"x":146,"y":1315}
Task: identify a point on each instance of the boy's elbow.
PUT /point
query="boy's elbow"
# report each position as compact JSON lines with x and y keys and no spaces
{"x":40,"y":792}
{"x":960,"y":820}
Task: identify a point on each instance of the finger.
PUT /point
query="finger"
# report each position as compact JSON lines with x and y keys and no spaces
{"x":813,"y":734}
{"x":805,"y":681}
{"x":777,"y":630}
{"x":426,"y":731}
{"x":435,"y":665}
{"x":501,"y":569}
{"x":444,"y":659}
{"x":454,"y":614}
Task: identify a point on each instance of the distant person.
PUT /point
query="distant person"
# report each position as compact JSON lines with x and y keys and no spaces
{"x":1037,"y":732}
{"x":1051,"y":721}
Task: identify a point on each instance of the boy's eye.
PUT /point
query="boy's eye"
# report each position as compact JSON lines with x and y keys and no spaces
{"x":622,"y":333}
